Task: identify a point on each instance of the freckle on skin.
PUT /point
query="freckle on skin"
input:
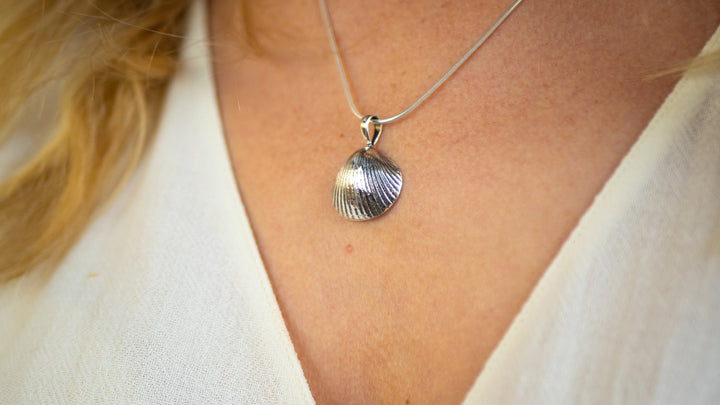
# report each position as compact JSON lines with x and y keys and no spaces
{"x":349,"y":248}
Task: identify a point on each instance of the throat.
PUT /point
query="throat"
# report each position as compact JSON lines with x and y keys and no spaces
{"x":497,"y":168}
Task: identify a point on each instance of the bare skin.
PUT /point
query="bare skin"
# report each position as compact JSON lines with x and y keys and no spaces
{"x":499,"y":166}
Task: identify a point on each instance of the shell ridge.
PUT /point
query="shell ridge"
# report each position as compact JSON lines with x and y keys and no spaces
{"x":344,"y":188}
{"x":367,"y":194}
{"x":386,"y":185}
{"x":386,"y":193}
{"x":395,"y":173}
{"x":362,"y":193}
{"x":366,"y":185}
{"x":378,"y":196}
{"x":383,"y":198}
{"x":391,"y":178}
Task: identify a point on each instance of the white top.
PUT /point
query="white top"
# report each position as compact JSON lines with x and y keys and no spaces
{"x":165,"y":298}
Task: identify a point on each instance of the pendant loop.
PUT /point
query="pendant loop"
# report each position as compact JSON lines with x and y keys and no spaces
{"x":371,"y":129}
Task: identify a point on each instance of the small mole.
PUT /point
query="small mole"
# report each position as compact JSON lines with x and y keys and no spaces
{"x":407,"y":401}
{"x":342,"y":135}
{"x":349,"y":248}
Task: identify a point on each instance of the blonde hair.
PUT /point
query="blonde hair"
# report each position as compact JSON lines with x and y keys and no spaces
{"x":113,"y":61}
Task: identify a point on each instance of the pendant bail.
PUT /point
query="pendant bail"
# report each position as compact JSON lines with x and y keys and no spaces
{"x":371,"y":129}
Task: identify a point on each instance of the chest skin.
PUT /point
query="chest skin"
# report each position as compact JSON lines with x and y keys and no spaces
{"x":498,"y":167}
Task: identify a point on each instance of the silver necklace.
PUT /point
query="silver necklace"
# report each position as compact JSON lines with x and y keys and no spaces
{"x":368,"y":184}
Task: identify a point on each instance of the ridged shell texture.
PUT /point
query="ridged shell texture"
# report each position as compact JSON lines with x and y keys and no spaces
{"x":366,"y":186}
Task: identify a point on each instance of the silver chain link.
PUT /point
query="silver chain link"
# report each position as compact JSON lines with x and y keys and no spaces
{"x":443,"y":79}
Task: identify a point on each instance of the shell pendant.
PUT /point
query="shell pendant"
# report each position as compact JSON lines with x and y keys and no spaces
{"x":368,"y":184}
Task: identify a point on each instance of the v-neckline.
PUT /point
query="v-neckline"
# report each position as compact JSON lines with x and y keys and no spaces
{"x":198,"y":36}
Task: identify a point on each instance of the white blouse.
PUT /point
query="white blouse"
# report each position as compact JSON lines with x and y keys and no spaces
{"x":165,"y":298}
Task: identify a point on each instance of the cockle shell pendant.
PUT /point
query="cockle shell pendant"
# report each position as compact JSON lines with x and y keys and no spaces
{"x":368,"y":184}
